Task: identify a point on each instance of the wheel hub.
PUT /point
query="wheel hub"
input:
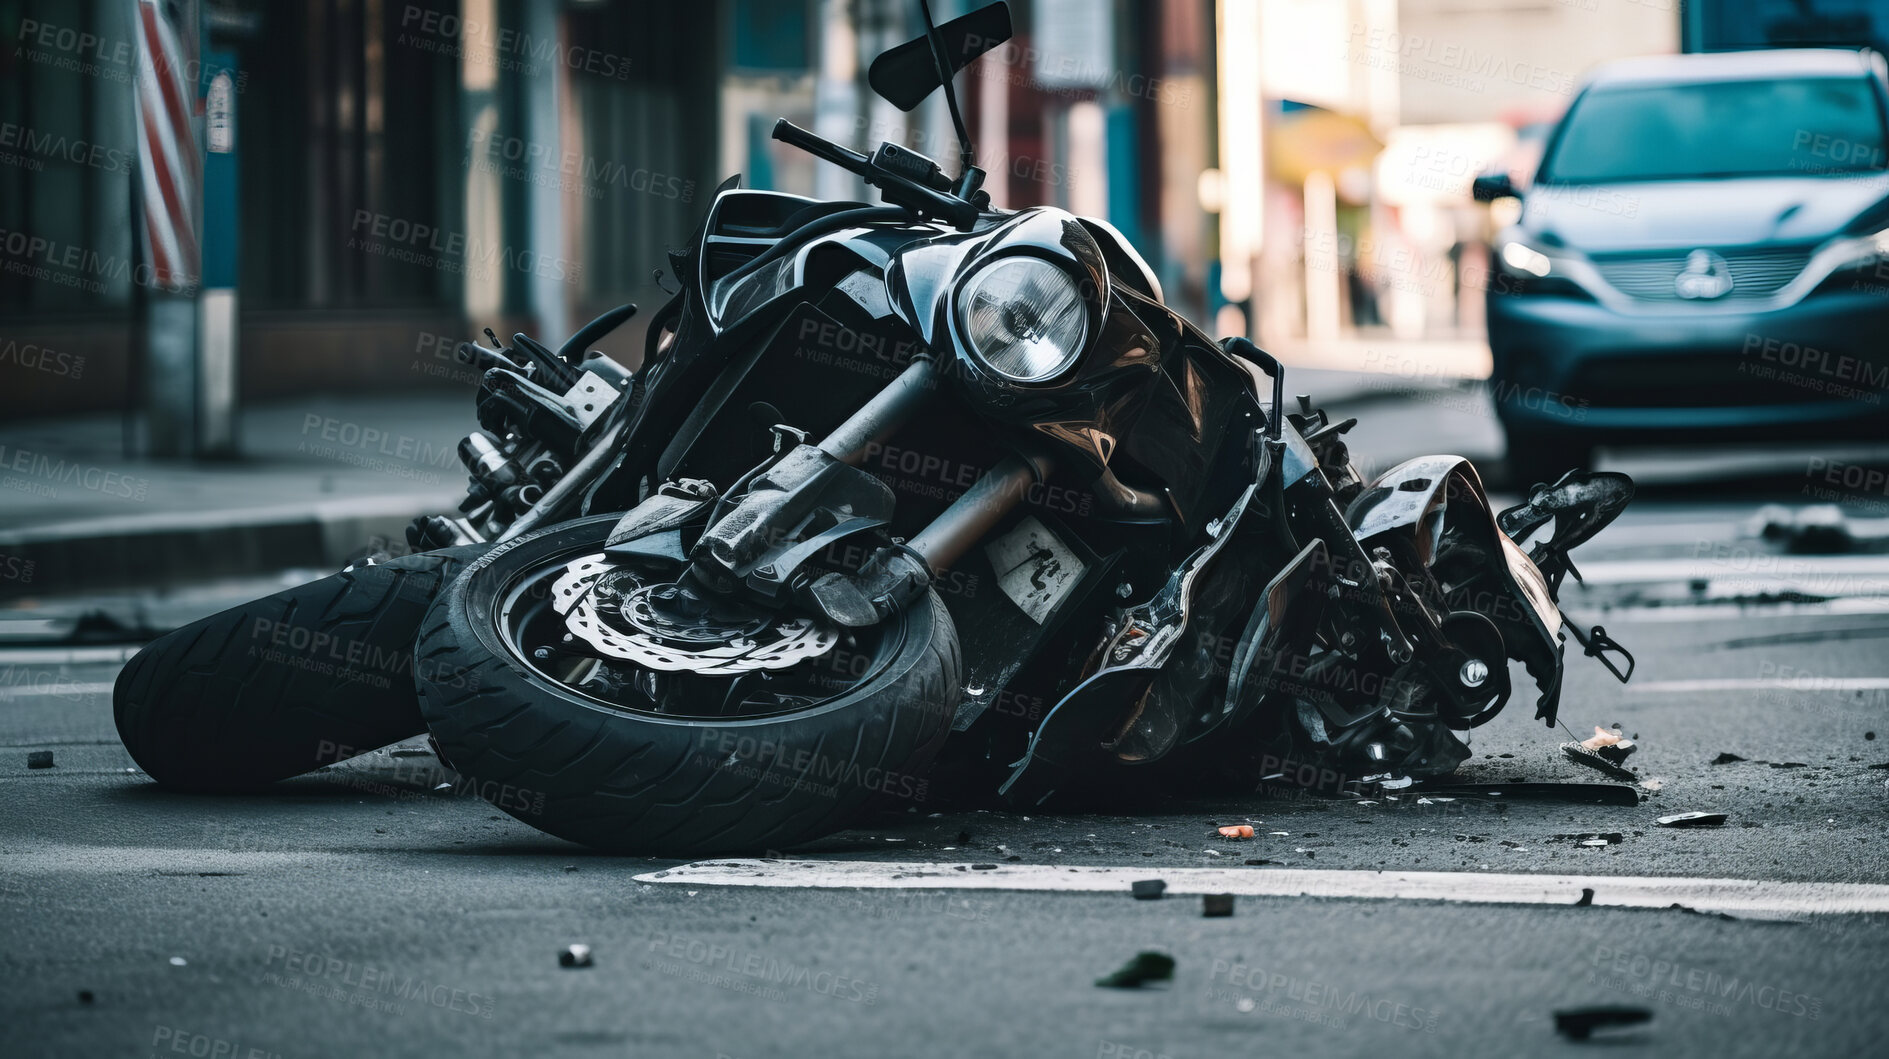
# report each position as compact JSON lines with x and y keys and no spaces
{"x":623,"y":614}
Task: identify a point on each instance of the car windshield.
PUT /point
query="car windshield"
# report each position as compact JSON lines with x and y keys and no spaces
{"x":1789,"y":126}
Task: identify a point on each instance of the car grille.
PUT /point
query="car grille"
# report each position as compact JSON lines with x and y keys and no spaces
{"x":1659,"y":380}
{"x":1755,"y":273}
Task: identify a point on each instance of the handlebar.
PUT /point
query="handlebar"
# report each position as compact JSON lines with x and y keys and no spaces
{"x":820,"y":147}
{"x":906,"y":185}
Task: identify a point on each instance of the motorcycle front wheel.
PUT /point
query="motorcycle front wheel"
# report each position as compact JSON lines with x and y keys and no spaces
{"x":655,"y":759}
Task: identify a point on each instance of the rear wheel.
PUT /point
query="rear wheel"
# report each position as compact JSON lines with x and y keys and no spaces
{"x":285,"y":684}
{"x":679,"y":752}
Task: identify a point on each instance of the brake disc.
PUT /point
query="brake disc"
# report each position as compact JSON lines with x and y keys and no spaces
{"x":616,"y":612}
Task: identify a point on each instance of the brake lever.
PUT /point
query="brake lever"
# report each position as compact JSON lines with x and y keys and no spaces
{"x":1595,"y":643}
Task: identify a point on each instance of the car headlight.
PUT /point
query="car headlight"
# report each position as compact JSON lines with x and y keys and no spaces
{"x":1024,"y":318}
{"x":1524,"y":258}
{"x":1860,"y":252}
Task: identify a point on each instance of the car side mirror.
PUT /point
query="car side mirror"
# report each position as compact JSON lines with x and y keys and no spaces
{"x":1492,"y":186}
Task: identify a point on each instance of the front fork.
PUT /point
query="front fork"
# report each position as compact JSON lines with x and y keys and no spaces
{"x":761,"y":520}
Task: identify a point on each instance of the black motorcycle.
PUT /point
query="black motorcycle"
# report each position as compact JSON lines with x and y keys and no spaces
{"x":907,"y":478}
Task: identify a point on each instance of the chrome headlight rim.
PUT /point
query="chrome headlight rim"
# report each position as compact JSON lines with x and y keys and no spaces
{"x":963,"y":299}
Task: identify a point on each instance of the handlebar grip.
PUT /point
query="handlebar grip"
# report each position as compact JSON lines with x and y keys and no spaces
{"x":787,"y":132}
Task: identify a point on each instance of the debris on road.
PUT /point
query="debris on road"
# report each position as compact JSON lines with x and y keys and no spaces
{"x":1587,"y":898}
{"x":1577,"y":793}
{"x":1577,"y":1024}
{"x":1592,"y":838}
{"x":1147,"y":966}
{"x":1819,"y":529}
{"x":1652,"y":784}
{"x":1149,"y":889}
{"x":1610,"y":744}
{"x":1691,"y":911}
{"x":1237,"y":831}
{"x":1691,"y":820}
{"x":574,"y":956}
{"x":1216,"y":905}
{"x":1726,"y":758}
{"x":1593,"y":758}
{"x":39,"y":759}
{"x":86,"y":997}
{"x":1257,"y":861}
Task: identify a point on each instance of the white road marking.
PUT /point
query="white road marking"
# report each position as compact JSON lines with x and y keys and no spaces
{"x":62,"y":690}
{"x":1686,"y":687}
{"x":1727,"y":611}
{"x":1751,"y":572}
{"x":67,"y":656}
{"x":1748,"y":898}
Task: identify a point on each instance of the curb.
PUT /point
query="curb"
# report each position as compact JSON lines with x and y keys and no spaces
{"x":185,"y":546}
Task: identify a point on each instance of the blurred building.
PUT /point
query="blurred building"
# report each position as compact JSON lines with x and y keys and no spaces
{"x":1377,"y":114}
{"x":409,"y":171}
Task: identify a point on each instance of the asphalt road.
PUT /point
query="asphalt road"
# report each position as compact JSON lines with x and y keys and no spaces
{"x":357,"y":912}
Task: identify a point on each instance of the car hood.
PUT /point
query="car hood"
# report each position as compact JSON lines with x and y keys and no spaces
{"x":1684,"y":214}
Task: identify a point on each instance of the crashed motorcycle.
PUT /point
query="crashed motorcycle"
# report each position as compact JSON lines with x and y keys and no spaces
{"x":923,"y":498}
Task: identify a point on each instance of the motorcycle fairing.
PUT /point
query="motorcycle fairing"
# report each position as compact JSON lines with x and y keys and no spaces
{"x":1089,"y":724}
{"x":1412,"y":500}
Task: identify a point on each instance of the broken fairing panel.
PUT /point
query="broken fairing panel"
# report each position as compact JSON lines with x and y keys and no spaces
{"x":1034,"y":568}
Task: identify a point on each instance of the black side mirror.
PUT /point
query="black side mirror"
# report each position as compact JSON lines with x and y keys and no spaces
{"x":905,"y":75}
{"x":1492,"y":186}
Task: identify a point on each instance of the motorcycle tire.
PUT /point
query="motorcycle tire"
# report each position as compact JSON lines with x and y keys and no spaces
{"x":623,"y":780}
{"x":284,"y":684}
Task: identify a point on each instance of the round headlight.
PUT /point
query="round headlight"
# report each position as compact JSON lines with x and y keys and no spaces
{"x":1024,"y":318}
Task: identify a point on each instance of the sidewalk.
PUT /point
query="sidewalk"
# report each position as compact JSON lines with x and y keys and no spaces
{"x":322,"y":480}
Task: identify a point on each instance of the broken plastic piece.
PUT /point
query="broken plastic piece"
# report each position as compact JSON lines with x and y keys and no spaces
{"x":1147,"y":966}
{"x":1611,"y":745}
{"x":39,"y":759}
{"x":1149,"y":889}
{"x":1593,"y":838}
{"x":1594,"y":759}
{"x":1691,"y":820}
{"x":1726,"y":758}
{"x":1216,"y":904}
{"x":1587,"y":898}
{"x":1237,"y":831}
{"x":1577,"y":1023}
{"x":574,"y":956}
